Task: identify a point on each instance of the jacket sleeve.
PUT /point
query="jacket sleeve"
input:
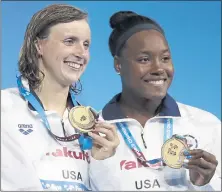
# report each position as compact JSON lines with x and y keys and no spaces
{"x":214,"y":147}
{"x":17,"y":172}
{"x":104,"y":168}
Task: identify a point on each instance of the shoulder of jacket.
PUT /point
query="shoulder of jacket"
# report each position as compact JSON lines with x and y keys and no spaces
{"x":197,"y":113}
{"x":9,"y":97}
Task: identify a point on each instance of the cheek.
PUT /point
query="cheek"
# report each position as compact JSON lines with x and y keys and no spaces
{"x":129,"y":70}
{"x":133,"y":74}
{"x":170,"y":71}
{"x":53,"y":52}
{"x":87,"y":56}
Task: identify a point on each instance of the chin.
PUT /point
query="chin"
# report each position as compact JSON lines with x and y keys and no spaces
{"x":68,"y":82}
{"x":72,"y":78}
{"x":156,"y":96}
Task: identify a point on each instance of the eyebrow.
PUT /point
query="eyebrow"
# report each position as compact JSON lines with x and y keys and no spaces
{"x":74,"y":37}
{"x":148,"y":52}
{"x":165,"y":50}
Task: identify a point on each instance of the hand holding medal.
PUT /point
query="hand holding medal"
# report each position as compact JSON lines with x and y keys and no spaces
{"x":104,"y":146}
{"x":201,"y":164}
{"x":84,"y":119}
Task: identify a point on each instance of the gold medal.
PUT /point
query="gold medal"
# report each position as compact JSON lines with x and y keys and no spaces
{"x":172,"y":152}
{"x":82,"y":118}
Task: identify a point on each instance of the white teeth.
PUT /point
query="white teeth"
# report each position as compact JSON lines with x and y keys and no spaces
{"x":73,"y":65}
{"x":159,"y":82}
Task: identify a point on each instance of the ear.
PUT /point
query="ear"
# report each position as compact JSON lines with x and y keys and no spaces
{"x":39,"y":46}
{"x":117,"y":64}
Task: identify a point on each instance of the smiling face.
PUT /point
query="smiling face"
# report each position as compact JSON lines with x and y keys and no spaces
{"x":65,"y":52}
{"x":145,"y":65}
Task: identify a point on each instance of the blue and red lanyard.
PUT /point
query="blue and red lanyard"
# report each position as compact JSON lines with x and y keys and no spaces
{"x":130,"y":141}
{"x":84,"y":141}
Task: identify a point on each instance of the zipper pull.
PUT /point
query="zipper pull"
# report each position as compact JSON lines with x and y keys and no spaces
{"x":63,"y":128}
{"x":144,"y":143}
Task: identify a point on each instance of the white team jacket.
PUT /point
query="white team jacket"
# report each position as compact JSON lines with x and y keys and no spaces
{"x":123,"y":172}
{"x":31,"y":158}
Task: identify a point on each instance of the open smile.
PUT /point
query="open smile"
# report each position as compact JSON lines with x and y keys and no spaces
{"x":74,"y":65}
{"x":159,"y":82}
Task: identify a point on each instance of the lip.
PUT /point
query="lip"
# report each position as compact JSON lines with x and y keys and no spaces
{"x":155,"y":79}
{"x":73,"y":67}
{"x":156,"y":82}
{"x":73,"y":62}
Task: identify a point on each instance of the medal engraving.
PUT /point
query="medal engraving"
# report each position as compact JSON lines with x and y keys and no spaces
{"x":172,"y":152}
{"x":82,"y":118}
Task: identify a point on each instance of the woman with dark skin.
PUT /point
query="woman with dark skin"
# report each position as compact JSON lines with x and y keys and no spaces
{"x":143,"y":60}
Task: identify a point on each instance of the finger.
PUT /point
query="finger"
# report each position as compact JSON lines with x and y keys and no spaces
{"x":188,"y":156}
{"x":200,"y":170}
{"x":199,"y":153}
{"x":95,"y":132}
{"x":192,"y":152}
{"x":201,"y":163}
{"x":100,"y":140}
{"x":109,"y":134}
{"x":107,"y":126}
{"x":95,"y":143}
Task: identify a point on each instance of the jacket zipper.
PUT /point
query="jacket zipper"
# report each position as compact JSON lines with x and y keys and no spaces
{"x":63,"y":128}
{"x":144,"y":143}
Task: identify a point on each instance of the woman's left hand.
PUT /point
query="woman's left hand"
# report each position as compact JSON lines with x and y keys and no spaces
{"x":201,"y":165}
{"x":104,"y":146}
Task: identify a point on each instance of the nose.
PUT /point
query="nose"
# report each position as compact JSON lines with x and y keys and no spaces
{"x":157,"y":72}
{"x":79,"y":50}
{"x":156,"y":68}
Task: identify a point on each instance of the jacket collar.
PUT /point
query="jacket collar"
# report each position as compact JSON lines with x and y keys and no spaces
{"x":112,"y":109}
{"x":25,"y":83}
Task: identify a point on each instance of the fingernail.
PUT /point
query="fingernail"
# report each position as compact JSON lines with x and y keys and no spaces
{"x":189,"y":157}
{"x":186,"y":153}
{"x":89,"y":133}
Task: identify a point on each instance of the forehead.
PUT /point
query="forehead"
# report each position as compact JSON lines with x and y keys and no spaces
{"x":149,"y":40}
{"x":78,"y":28}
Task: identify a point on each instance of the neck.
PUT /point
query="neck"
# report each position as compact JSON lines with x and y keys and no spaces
{"x":53,"y":96}
{"x":138,"y":108}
